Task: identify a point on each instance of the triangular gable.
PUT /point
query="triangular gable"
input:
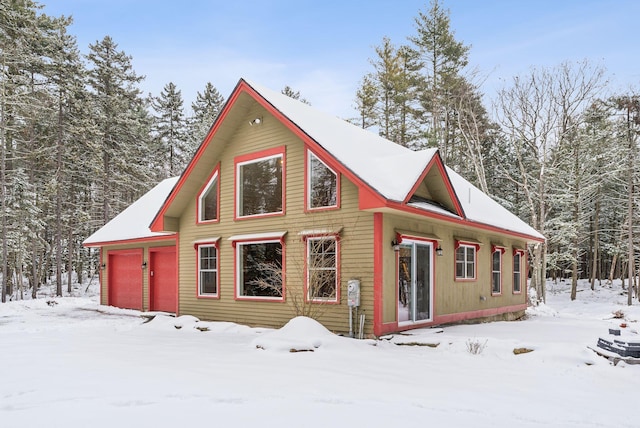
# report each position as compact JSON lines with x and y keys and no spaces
{"x":366,"y":191}
{"x":434,"y":188}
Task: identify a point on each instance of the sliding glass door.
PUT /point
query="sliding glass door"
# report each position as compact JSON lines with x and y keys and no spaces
{"x":415,"y":275}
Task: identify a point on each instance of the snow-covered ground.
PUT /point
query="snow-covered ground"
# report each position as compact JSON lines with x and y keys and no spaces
{"x":74,"y":363}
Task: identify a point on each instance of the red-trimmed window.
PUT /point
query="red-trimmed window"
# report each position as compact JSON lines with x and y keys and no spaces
{"x":208,"y":207}
{"x":496,"y":270}
{"x":466,"y":260}
{"x":322,"y":269}
{"x":208,"y":263}
{"x":259,"y":274}
{"x":517,"y":271}
{"x":322,"y":184}
{"x":260,"y":183}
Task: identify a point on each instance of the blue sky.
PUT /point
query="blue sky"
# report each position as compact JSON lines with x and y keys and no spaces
{"x":322,"y":48}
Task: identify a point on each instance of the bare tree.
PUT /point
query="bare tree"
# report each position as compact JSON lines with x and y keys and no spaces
{"x":537,"y":113}
{"x":321,"y":278}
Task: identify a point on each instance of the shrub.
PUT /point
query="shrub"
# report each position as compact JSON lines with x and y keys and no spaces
{"x":475,"y":347}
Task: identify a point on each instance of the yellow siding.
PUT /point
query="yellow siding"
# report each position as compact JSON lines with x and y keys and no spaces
{"x":451,"y":296}
{"x":356,"y":238}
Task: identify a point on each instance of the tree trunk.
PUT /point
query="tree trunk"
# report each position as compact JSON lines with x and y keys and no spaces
{"x":58,"y":233}
{"x":3,"y":192}
{"x":612,"y":271}
{"x":70,"y":259}
{"x":630,"y":209}
{"x":34,"y":271}
{"x":596,"y":244}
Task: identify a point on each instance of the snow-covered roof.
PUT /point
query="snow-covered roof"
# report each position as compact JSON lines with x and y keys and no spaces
{"x":133,"y":222}
{"x":389,"y":168}
{"x":479,"y":207}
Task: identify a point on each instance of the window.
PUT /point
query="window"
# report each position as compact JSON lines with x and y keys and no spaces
{"x":517,"y":271}
{"x":322,"y":269}
{"x":322,"y":184}
{"x":208,"y":199}
{"x":259,"y":272}
{"x":496,"y":270}
{"x":465,"y":261}
{"x":259,"y":183}
{"x":207,"y":270}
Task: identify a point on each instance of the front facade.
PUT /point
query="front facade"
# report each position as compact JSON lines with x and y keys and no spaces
{"x":282,"y":208}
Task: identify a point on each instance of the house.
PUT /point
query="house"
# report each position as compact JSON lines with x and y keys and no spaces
{"x":284,"y":207}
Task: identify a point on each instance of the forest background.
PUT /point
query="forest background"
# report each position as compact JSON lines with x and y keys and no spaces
{"x":79,"y":142}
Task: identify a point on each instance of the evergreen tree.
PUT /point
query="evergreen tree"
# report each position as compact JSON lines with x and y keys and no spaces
{"x":170,"y":147}
{"x":206,"y":108}
{"x":122,"y":126}
{"x":288,"y":91}
{"x":16,"y":22}
{"x":443,"y":58}
{"x":366,"y":101}
{"x":25,"y":130}
{"x":628,"y":125}
{"x":396,"y":81}
{"x":67,"y":77}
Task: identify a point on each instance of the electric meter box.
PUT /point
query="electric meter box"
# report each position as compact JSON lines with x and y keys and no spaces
{"x":353,"y":292}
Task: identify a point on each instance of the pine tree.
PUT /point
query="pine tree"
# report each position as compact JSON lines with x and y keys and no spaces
{"x":396,"y":81}
{"x":67,"y":77}
{"x":443,"y":58}
{"x":170,"y":149}
{"x":206,"y":108}
{"x":25,"y":130}
{"x":628,"y":121}
{"x":122,"y":125}
{"x":288,"y":91}
{"x":366,"y":101}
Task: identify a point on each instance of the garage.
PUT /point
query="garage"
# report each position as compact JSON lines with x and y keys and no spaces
{"x":125,"y":278}
{"x":163,"y":289}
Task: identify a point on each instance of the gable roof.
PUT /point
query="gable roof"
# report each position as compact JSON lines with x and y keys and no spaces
{"x":133,"y":223}
{"x":387,"y":167}
{"x":481,"y":208}
{"x":388,"y":170}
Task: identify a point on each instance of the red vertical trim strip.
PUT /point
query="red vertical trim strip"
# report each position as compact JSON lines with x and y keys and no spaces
{"x":177,"y":246}
{"x":100,"y":274}
{"x":378,"y":272}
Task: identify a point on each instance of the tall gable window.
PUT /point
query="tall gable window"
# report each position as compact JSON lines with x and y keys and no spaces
{"x":208,"y":199}
{"x":322,"y":184}
{"x":466,"y":261}
{"x":260,"y":183}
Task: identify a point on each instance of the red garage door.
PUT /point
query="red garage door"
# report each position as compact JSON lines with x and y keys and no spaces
{"x":125,"y":279}
{"x":163,"y":292}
